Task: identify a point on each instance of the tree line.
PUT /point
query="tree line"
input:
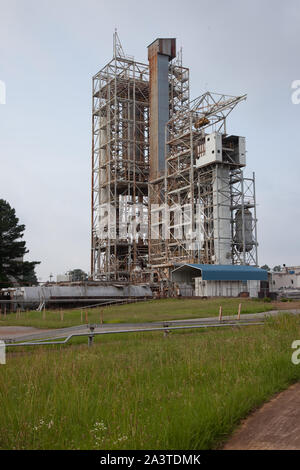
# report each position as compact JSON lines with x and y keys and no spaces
{"x":13,"y":269}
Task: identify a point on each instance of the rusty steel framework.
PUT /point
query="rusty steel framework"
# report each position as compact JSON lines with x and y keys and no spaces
{"x":194,"y":213}
{"x":120,"y":162}
{"x":179,"y":99}
{"x":193,"y":235}
{"x":243,"y":200}
{"x":120,"y":165}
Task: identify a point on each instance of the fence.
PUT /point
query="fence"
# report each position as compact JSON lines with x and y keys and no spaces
{"x":166,"y":328}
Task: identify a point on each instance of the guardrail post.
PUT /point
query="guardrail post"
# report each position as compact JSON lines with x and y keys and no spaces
{"x":166,"y":332}
{"x":91,"y":336}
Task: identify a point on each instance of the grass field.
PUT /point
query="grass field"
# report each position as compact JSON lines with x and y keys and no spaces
{"x":153,"y":310}
{"x":186,"y":391}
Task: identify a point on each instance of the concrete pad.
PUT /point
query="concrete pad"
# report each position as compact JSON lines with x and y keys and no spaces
{"x":275,"y":426}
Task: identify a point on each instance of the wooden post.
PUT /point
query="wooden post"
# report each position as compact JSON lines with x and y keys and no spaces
{"x":239,"y":311}
{"x":61,"y":315}
{"x":220,"y":313}
{"x":86,"y":317}
{"x":44,"y":312}
{"x":81,"y":318}
{"x":101,"y":317}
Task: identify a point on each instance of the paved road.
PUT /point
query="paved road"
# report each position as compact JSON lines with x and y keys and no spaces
{"x":275,"y":426}
{"x":7,"y":332}
{"x":10,"y":333}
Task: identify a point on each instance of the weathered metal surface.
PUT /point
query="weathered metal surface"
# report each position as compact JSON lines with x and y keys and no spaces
{"x":120,"y":165}
{"x":149,"y":136}
{"x":164,"y":46}
{"x":160,"y":52}
{"x":39,"y":294}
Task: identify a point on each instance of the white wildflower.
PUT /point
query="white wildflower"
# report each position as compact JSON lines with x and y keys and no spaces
{"x":43,"y":424}
{"x":120,"y":439}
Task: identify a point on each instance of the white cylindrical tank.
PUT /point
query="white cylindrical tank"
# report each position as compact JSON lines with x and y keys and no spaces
{"x":247,"y":219}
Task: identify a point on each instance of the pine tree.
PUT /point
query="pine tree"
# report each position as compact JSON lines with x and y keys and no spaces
{"x":12,"y":250}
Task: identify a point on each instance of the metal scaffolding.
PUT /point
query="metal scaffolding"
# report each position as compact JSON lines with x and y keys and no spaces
{"x":243,"y":218}
{"x":193,"y":209}
{"x":120,"y":167}
{"x":206,"y":216}
{"x":179,"y":99}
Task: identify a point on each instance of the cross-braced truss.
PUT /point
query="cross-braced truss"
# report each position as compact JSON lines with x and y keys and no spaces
{"x":193,"y":196}
{"x":186,"y":208}
{"x":120,"y":165}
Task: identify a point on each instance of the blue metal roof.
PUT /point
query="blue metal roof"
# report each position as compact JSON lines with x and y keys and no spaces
{"x":228,"y":272}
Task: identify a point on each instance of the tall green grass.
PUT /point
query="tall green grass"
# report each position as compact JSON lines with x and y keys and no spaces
{"x":144,"y":391}
{"x":154,"y":310}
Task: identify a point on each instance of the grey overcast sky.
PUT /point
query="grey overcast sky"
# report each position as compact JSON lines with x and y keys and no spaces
{"x":49,"y":51}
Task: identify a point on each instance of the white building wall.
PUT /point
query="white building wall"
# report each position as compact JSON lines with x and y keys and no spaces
{"x":253,"y":288}
{"x":281,"y":280}
{"x":225,"y":288}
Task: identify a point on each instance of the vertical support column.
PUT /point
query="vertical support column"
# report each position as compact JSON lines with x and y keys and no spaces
{"x":255,"y":221}
{"x":243,"y":220}
{"x":160,"y":52}
{"x":222,"y":215}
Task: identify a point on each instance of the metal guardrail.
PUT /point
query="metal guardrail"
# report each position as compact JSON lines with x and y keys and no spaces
{"x":166,"y":329}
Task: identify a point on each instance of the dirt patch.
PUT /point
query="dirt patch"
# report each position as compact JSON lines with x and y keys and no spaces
{"x":275,"y":426}
{"x":295,"y":304}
